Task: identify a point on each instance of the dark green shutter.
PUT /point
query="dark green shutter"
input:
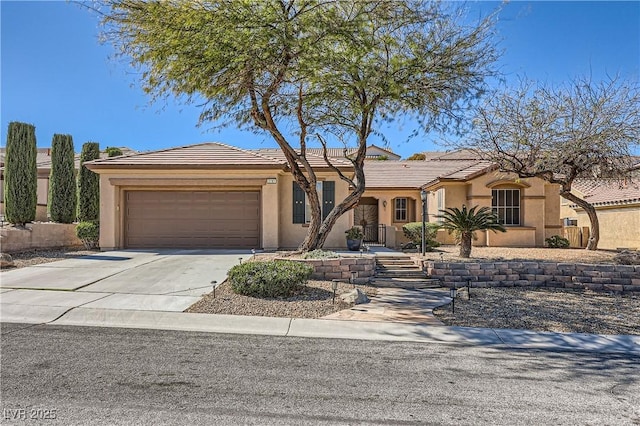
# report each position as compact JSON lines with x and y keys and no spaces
{"x":328,"y":197}
{"x":298,"y":204}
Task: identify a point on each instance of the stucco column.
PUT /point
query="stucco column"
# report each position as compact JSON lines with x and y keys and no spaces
{"x":533,"y":215}
{"x":270,"y":210}
{"x":109,"y":214}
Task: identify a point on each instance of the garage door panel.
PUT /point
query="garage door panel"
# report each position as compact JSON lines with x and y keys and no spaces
{"x":197,"y":219}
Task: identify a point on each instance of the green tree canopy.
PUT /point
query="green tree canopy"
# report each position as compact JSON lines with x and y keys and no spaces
{"x":321,"y":71}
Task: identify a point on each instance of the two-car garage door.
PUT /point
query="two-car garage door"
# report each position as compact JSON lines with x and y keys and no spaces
{"x":192,"y":219}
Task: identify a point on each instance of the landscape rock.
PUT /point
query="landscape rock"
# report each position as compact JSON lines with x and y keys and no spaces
{"x":6,"y":260}
{"x":355,"y":296}
{"x":627,"y":257}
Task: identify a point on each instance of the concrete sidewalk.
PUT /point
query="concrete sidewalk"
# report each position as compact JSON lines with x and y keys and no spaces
{"x":362,"y":330}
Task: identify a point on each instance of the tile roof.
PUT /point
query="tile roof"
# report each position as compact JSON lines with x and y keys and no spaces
{"x":43,"y":157}
{"x":315,"y":158}
{"x":458,"y":154}
{"x":202,"y":155}
{"x":415,"y":174}
{"x":339,"y":152}
{"x":600,"y":192}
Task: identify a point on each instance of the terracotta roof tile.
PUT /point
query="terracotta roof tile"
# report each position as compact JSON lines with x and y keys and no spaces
{"x":314,"y":157}
{"x":193,"y":156}
{"x":607,"y":192}
{"x":459,"y":154}
{"x":415,"y":174}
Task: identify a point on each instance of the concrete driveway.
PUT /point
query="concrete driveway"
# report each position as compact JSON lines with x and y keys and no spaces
{"x":155,"y":280}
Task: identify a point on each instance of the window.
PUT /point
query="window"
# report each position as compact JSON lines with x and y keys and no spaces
{"x":440,"y":202}
{"x":307,"y":206}
{"x":505,"y":203}
{"x":400,"y":210}
{"x":301,"y":206}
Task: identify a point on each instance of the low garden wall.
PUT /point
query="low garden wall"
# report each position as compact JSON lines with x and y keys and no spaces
{"x":341,"y":268}
{"x":38,"y":235}
{"x":618,"y":278}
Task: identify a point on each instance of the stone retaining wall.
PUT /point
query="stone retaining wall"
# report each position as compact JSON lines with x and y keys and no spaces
{"x":618,"y":278}
{"x":332,"y":269}
{"x":38,"y":235}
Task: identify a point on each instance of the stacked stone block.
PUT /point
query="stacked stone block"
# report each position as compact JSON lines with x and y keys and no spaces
{"x":341,"y":269}
{"x":618,"y":278}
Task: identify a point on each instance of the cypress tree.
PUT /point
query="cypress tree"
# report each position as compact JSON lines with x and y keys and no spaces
{"x":62,"y":182}
{"x":20,"y":174}
{"x":88,"y":185}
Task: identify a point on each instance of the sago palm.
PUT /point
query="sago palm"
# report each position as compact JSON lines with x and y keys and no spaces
{"x":464,"y":224}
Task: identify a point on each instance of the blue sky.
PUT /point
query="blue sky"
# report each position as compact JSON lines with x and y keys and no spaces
{"x":56,"y":75}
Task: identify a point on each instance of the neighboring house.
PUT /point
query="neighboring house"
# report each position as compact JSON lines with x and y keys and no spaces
{"x":529,"y":208}
{"x":617,"y":205}
{"x":211,"y":195}
{"x":43,"y":165}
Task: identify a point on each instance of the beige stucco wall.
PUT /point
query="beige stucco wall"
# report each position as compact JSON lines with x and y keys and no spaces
{"x":38,"y":235}
{"x":292,"y":234}
{"x":277,"y":228}
{"x":42,"y":196}
{"x":386,"y":211}
{"x":619,"y":226}
{"x":114,"y":184}
{"x":540,"y":208}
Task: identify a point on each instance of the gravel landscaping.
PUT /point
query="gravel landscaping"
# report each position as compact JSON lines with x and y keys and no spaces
{"x":314,"y":300}
{"x":546,"y":310}
{"x":40,"y":256}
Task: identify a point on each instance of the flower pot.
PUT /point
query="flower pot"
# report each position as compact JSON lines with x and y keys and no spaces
{"x":353,"y":245}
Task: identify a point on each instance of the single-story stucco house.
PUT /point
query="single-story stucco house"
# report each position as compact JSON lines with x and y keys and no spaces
{"x":219,"y":196}
{"x":529,"y":208}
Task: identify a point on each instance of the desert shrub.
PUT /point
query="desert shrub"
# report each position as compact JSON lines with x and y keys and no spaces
{"x":417,"y":156}
{"x":413,"y":231}
{"x":112,"y":151}
{"x":89,"y":233}
{"x":62,"y":180}
{"x":557,"y":241}
{"x":320,"y":254}
{"x":20,"y":174}
{"x":274,"y":278}
{"x":627,"y":257}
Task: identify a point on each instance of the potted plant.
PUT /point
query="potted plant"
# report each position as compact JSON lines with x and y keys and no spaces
{"x":354,"y":238}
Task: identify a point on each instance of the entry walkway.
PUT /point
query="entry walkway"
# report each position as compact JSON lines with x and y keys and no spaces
{"x":398,"y":305}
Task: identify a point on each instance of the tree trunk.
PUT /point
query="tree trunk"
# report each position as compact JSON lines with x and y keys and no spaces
{"x":465,"y":245}
{"x":594,"y":235}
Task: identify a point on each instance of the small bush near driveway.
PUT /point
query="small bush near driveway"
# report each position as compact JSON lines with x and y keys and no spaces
{"x":275,"y":278}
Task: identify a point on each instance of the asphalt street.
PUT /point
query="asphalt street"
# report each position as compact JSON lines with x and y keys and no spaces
{"x":84,"y":375}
